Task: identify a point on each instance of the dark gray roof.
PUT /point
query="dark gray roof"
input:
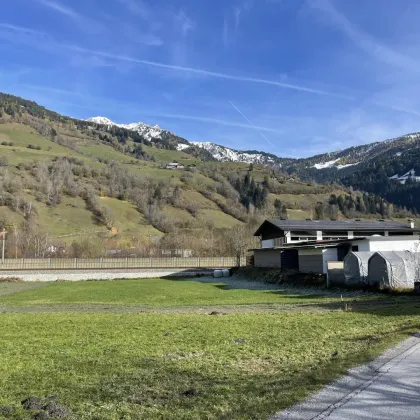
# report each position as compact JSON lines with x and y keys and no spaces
{"x":326,"y":225}
{"x":309,"y":244}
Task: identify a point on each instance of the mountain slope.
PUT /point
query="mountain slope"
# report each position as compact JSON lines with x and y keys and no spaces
{"x":330,"y":166}
{"x":64,"y":179}
{"x":209,"y":151}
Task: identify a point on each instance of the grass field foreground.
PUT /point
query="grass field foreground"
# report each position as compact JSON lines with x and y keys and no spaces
{"x":181,"y":366}
{"x":166,"y":293}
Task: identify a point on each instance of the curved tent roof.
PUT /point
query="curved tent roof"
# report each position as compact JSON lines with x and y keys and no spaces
{"x":356,"y":268}
{"x":394,"y":269}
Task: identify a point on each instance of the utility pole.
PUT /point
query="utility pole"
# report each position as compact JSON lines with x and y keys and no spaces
{"x":4,"y":243}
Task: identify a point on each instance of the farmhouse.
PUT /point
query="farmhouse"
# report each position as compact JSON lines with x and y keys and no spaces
{"x":308,"y":245}
{"x":175,"y":165}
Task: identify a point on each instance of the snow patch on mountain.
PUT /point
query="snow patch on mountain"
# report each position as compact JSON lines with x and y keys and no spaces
{"x":101,"y":120}
{"x":181,"y":146}
{"x":347,"y":166}
{"x":332,"y":164}
{"x":225,"y":154}
{"x":411,"y":174}
{"x":147,"y":131}
{"x":326,"y":165}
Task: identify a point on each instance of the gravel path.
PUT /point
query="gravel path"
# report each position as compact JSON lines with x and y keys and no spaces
{"x":386,"y":389}
{"x":81,"y":275}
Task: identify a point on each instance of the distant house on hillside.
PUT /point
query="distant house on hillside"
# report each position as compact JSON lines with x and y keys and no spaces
{"x":183,"y":253}
{"x":175,"y":165}
{"x":56,"y":249}
{"x":308,"y":245}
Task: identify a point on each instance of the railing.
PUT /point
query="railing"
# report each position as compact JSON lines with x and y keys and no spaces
{"x":120,"y":263}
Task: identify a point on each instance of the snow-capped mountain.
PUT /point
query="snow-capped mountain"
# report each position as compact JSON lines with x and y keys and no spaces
{"x":225,"y":154}
{"x":321,"y":167}
{"x":220,"y":153}
{"x":101,"y":120}
{"x":147,"y":131}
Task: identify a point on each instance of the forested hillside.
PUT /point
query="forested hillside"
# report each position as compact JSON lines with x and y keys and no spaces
{"x":89,"y":189}
{"x":389,"y":169}
{"x":396,"y":179}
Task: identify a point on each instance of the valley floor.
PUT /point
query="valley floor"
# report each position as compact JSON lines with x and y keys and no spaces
{"x":183,"y":349}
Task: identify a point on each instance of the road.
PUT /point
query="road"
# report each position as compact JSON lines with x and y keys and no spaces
{"x":388,"y":388}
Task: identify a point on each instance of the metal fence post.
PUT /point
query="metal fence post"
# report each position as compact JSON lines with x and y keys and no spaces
{"x":75,"y":263}
{"x":23,"y":263}
{"x":126,"y":262}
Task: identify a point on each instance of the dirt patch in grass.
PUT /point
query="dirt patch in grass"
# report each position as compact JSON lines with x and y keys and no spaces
{"x":10,"y":287}
{"x":11,"y":280}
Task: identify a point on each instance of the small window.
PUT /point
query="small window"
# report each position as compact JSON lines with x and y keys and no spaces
{"x":355,"y":248}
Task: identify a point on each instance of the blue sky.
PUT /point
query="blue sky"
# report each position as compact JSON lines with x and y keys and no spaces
{"x":291,"y":77}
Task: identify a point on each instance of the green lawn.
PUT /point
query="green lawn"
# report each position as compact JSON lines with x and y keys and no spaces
{"x":157,"y":293}
{"x":244,"y":365}
{"x":68,"y":217}
{"x":128,"y":220}
{"x":218,"y":218}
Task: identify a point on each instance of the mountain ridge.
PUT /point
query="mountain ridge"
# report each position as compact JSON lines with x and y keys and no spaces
{"x":307,"y":167}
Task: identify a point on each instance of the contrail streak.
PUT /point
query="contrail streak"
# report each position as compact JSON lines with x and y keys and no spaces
{"x":252,"y":125}
{"x":207,"y":72}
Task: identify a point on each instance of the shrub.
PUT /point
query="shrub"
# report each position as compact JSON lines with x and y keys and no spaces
{"x":34,"y":147}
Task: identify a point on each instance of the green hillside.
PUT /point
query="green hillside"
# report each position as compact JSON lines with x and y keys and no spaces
{"x":64,"y":180}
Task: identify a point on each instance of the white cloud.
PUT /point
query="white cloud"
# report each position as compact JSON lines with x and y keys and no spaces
{"x":137,"y":7}
{"x":362,"y":39}
{"x":185,"y":23}
{"x":85,"y":23}
{"x":21,"y":29}
{"x":208,"y":73}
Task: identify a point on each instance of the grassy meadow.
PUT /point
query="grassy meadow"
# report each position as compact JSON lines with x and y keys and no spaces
{"x":259,"y":354}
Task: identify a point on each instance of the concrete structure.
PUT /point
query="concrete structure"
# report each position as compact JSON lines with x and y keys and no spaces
{"x":388,"y":243}
{"x":310,"y":245}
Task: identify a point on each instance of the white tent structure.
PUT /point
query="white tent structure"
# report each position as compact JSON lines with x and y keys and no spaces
{"x":356,"y":268}
{"x":393,"y":269}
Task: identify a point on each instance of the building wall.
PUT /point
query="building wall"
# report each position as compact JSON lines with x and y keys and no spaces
{"x":329,"y":254}
{"x":335,"y":274}
{"x":270,"y":258}
{"x":267,"y":243}
{"x":388,"y":243}
{"x":396,"y":244}
{"x":311,"y":261}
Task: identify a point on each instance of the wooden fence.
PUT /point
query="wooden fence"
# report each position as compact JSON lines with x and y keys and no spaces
{"x":120,"y":263}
